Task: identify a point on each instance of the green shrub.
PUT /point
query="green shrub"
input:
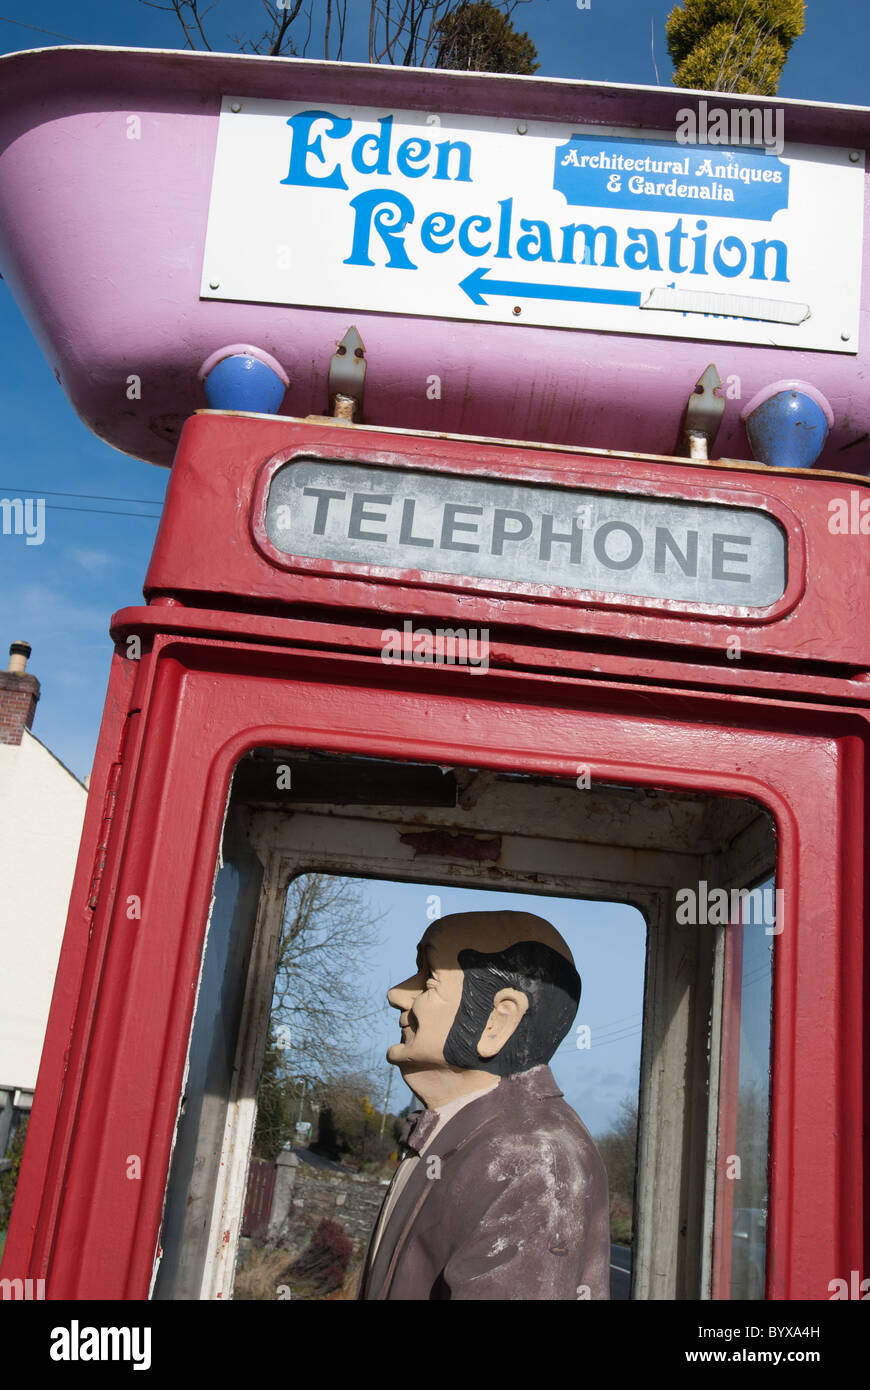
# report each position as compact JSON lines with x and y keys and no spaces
{"x":9,"y":1179}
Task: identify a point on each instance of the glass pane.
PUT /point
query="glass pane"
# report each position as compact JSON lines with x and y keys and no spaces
{"x":197,"y":1154}
{"x":314,"y":1189}
{"x":744,"y":1097}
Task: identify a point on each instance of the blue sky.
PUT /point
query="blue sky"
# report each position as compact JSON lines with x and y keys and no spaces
{"x":609,"y":42}
{"x":608,"y":942}
{"x":102,"y":507}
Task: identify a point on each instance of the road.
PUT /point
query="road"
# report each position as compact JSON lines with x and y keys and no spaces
{"x":319,"y":1161}
{"x":620,"y":1272}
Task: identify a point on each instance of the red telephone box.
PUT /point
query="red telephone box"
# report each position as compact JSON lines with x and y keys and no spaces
{"x":626,"y":675}
{"x":755,"y":767}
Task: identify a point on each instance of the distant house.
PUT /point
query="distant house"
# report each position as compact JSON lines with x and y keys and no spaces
{"x":42,"y":807}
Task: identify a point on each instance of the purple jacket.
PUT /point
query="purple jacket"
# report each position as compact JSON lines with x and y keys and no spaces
{"x":520,"y":1210}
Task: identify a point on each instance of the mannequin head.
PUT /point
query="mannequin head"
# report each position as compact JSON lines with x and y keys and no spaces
{"x":494,"y":994}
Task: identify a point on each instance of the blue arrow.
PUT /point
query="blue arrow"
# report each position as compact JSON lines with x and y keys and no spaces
{"x":476,"y":285}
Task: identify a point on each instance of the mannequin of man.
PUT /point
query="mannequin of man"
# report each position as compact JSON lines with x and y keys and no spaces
{"x":502,"y":1194}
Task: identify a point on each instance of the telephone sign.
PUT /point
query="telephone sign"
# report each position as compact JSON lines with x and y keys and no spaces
{"x":598,"y":541}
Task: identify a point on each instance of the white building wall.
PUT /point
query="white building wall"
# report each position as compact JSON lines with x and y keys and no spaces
{"x":42,"y":806}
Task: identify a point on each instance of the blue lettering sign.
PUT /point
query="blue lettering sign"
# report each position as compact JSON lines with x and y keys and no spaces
{"x":635,"y":174}
{"x":388,"y":230}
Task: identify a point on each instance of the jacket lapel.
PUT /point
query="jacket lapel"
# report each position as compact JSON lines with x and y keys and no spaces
{"x":538,"y":1084}
{"x":455,"y":1133}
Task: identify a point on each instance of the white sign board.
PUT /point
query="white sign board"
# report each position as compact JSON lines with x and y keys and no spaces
{"x":568,"y":226}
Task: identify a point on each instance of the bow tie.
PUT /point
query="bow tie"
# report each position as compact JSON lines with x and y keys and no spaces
{"x":418,"y":1129}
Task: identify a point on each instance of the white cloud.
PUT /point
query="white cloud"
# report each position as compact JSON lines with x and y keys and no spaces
{"x":57,"y":613}
{"x":94,"y":561}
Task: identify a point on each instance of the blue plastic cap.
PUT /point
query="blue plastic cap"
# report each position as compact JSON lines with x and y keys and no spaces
{"x":788,"y":430}
{"x":244,"y":383}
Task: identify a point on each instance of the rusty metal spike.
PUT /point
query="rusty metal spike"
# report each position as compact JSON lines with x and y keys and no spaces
{"x":703,"y":416}
{"x":347,"y":377}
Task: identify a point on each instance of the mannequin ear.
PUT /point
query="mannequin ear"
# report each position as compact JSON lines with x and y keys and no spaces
{"x":508,"y":1008}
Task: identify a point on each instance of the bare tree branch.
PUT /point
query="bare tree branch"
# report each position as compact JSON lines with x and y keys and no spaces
{"x":403,"y":32}
{"x":327,"y":939}
{"x":372,"y":19}
{"x":178,"y":8}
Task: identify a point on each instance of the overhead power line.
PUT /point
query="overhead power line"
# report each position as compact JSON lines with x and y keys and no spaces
{"x":88,"y":496}
{"x":92,"y":496}
{"x":608,"y":1041}
{"x":36,"y":29}
{"x":570,"y":1043}
{"x":100,"y":511}
{"x":618,"y":1022}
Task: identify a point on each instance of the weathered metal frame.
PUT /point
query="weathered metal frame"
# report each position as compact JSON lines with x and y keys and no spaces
{"x":183,"y":758}
{"x":237,"y":656}
{"x":667,"y":1261}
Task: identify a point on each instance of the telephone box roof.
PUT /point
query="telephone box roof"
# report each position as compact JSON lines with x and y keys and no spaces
{"x":113,"y":184}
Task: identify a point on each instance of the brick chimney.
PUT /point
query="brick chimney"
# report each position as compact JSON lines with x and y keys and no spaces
{"x":19,"y":692}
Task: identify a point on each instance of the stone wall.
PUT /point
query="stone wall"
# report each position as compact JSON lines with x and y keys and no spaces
{"x":351,"y":1200}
